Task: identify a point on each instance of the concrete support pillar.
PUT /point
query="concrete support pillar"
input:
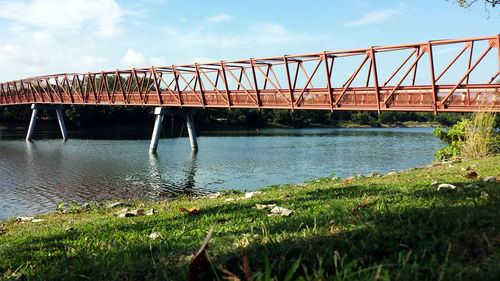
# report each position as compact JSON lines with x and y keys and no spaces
{"x":191,"y":132}
{"x":60,"y":118}
{"x":34,"y":115}
{"x":159,"y":112}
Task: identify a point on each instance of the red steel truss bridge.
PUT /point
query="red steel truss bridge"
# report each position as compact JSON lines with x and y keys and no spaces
{"x":459,"y":75}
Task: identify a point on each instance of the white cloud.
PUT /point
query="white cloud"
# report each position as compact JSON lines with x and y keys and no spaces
{"x":100,"y":17}
{"x":209,"y":44}
{"x":202,"y":60}
{"x":376,"y":16}
{"x":15,"y":54}
{"x":43,"y":37}
{"x":158,"y":61}
{"x":219,"y":18}
{"x":133,"y":59}
{"x":89,"y":64}
{"x":273,"y":33}
{"x":229,"y":42}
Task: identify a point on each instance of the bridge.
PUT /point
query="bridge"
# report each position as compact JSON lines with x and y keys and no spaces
{"x":425,"y":78}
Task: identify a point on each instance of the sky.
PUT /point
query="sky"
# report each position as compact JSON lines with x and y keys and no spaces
{"x":41,"y":37}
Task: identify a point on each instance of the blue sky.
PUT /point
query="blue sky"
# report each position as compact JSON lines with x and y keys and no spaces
{"x":40,"y":37}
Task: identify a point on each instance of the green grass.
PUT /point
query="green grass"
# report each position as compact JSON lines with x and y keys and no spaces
{"x":407,"y":230}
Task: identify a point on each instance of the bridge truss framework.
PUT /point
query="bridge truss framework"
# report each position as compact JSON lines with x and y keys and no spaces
{"x":288,"y":82}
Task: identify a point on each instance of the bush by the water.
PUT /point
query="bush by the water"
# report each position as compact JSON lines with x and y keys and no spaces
{"x":470,"y":138}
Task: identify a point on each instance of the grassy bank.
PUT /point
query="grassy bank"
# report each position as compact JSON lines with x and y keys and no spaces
{"x":396,"y":226}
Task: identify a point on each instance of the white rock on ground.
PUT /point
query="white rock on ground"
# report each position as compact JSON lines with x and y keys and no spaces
{"x":117,"y":204}
{"x":446,"y":186}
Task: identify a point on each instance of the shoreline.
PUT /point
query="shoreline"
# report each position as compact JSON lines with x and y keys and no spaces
{"x":239,"y":192}
{"x":367,"y":221}
{"x":370,"y":220}
{"x":233,"y":191}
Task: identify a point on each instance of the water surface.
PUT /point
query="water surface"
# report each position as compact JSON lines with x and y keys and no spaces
{"x":36,"y":176}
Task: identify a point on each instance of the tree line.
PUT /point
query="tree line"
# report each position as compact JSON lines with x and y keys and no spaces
{"x":91,"y":116}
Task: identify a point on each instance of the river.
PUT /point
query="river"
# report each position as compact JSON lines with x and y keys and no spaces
{"x":36,"y":176}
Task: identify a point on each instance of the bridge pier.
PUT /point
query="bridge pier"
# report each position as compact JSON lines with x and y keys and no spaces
{"x":160,"y":113}
{"x":34,"y":115}
{"x":191,"y":132}
{"x":62,"y":125}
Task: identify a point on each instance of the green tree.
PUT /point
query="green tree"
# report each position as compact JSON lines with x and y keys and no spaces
{"x":468,"y":3}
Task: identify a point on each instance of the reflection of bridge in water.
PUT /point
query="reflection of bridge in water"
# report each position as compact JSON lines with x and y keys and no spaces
{"x":161,"y":186}
{"x":425,"y":78}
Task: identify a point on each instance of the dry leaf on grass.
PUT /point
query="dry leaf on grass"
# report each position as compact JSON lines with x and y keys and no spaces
{"x":28,"y":219}
{"x":490,"y":179}
{"x":228,"y":275}
{"x":117,"y":204}
{"x":24,"y":219}
{"x":280,"y":211}
{"x":190,"y":211}
{"x":264,"y":206}
{"x":134,"y":213}
{"x":155,"y":235}
{"x":246,"y":267}
{"x":358,"y":208}
{"x":446,"y":186}
{"x":248,"y":195}
{"x":200,"y":265}
{"x":471,"y":175}
{"x":212,"y":195}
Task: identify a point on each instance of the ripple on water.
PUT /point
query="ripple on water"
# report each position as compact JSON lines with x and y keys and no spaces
{"x":35,"y":177}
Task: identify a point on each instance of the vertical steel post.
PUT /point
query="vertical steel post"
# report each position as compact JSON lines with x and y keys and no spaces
{"x":191,"y":132}
{"x":159,"y":112}
{"x":433,"y":78}
{"x":375,"y":78}
{"x":60,"y":118}
{"x":34,"y":115}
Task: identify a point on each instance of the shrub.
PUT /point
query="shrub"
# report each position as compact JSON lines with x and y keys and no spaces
{"x":469,"y":138}
{"x":479,"y":135}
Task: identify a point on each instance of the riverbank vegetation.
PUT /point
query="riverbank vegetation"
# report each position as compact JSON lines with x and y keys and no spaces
{"x":470,"y":138}
{"x":399,"y":226}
